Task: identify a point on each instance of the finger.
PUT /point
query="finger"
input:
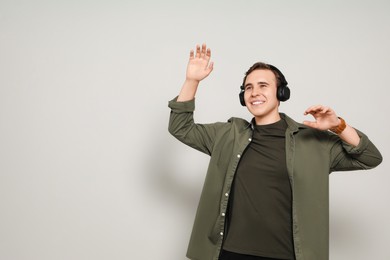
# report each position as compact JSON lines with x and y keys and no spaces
{"x":191,"y":54}
{"x":324,"y":110}
{"x":313,"y":109}
{"x":197,"y":51}
{"x":203,"y":51}
{"x":211,"y":67}
{"x":330,"y":110}
{"x":308,"y":110}
{"x":311,"y":112}
{"x":208,"y":53}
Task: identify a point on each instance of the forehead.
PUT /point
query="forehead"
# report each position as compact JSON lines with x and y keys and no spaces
{"x":261,"y":75}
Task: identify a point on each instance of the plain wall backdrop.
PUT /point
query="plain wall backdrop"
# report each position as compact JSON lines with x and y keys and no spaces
{"x":88,"y":169}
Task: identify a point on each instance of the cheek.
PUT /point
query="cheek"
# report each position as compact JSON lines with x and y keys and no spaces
{"x":271,"y":93}
{"x":246,"y":95}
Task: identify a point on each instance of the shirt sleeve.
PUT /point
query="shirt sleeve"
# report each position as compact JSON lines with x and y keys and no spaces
{"x":183,"y":127}
{"x":348,"y":157}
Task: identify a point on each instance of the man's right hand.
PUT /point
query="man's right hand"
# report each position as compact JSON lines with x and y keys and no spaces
{"x":198,"y":68}
{"x":199,"y":65}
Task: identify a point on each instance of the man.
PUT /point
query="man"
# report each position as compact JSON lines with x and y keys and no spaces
{"x":266,"y":192}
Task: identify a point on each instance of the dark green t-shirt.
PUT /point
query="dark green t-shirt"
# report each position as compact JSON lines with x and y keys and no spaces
{"x":260,"y":221}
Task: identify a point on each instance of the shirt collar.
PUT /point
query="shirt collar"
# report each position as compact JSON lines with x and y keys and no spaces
{"x":291,"y":124}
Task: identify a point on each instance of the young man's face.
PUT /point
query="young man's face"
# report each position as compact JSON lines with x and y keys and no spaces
{"x":260,"y":96}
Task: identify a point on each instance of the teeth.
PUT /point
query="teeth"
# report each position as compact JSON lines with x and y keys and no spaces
{"x":257,"y":102}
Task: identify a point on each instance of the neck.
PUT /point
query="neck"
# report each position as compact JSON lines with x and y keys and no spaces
{"x":267,"y":120}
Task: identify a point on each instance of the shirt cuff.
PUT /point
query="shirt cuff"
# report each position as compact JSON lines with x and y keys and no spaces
{"x":360,"y":147}
{"x":183,"y":107}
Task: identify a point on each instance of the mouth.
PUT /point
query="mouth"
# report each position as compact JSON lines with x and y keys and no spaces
{"x":257,"y":102}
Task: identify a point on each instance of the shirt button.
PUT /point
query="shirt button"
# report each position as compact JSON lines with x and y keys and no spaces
{"x":223,"y":214}
{"x":250,"y":139}
{"x":226,"y":194}
{"x":221,"y":233}
{"x":238,"y":156}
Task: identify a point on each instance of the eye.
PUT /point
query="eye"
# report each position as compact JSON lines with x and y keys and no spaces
{"x":248,"y":87}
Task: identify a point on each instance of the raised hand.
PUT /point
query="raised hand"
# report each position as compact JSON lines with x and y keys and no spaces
{"x":325,"y":117}
{"x":199,"y":65}
{"x":198,"y":68}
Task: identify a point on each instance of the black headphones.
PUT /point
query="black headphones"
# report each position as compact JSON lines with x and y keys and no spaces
{"x":282,"y":93}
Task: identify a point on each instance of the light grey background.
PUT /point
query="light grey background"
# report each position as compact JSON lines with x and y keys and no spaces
{"x":87,"y":167}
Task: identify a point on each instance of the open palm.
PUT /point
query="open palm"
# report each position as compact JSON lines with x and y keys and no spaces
{"x":199,"y":65}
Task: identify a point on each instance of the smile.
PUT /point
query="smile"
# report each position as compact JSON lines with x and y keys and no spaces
{"x":257,"y":102}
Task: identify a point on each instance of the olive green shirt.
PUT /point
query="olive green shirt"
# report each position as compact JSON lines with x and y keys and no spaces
{"x":310,"y":156}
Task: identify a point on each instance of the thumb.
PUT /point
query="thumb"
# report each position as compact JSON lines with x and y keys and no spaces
{"x":310,"y":124}
{"x":211,"y":67}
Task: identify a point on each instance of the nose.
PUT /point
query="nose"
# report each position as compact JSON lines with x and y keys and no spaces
{"x":255,"y":91}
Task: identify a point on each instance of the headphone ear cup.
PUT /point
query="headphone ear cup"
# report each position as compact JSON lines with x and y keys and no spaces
{"x":283,"y":93}
{"x":241,"y":96}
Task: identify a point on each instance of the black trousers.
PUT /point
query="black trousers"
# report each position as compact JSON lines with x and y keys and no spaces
{"x":227,"y":255}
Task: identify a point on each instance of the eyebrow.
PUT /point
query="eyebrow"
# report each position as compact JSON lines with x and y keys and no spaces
{"x":258,"y":83}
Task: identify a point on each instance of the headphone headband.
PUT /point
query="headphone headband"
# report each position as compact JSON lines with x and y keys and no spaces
{"x":282,"y":79}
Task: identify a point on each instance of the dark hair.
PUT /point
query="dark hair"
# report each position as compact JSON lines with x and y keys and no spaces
{"x":264,"y":66}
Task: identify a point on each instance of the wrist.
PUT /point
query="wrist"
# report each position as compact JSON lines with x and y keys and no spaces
{"x":340,"y":128}
{"x":192,"y":81}
{"x":188,"y":90}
